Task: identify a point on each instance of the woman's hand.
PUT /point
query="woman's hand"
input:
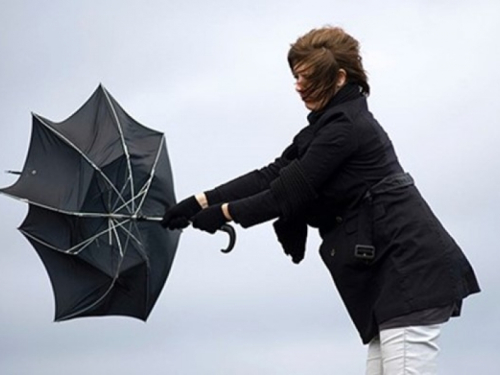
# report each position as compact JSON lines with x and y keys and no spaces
{"x":212,"y":218}
{"x":179,"y":216}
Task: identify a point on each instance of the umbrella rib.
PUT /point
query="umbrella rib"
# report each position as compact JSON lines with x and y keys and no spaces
{"x":71,"y":213}
{"x":105,"y":294}
{"x":129,"y":233}
{"x":144,"y":255}
{"x":71,"y":251}
{"x":112,"y":227}
{"x":85,"y":214}
{"x":96,"y":302}
{"x":147,"y":185}
{"x":65,"y":139}
{"x":117,"y":209}
{"x":115,"y":232}
{"x":79,"y":246}
{"x":124,"y":187}
{"x":124,"y":144}
{"x":143,"y":192}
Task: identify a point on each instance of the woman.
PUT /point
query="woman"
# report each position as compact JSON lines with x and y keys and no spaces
{"x":398,"y":271}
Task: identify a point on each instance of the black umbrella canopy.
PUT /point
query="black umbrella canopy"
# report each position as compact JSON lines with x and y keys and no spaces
{"x":97,"y":185}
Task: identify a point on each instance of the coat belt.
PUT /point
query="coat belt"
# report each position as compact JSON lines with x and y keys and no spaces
{"x":365,"y":249}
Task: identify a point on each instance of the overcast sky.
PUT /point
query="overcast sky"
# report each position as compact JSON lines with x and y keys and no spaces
{"x":212,"y":75}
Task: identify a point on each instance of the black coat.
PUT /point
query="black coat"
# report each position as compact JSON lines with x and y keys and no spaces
{"x":386,"y":251}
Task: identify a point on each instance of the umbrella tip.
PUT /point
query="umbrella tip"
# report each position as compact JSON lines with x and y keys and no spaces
{"x":102,"y":88}
{"x":35,"y":115}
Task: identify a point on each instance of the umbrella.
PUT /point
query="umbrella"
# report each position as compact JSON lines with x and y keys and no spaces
{"x":97,"y":185}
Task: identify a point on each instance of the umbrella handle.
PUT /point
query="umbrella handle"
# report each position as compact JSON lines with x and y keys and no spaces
{"x":232,"y":237}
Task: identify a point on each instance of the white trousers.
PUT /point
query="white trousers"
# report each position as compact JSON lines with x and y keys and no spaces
{"x":404,"y":351}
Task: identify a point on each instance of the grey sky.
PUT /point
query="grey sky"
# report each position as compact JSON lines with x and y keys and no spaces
{"x":213,"y":76}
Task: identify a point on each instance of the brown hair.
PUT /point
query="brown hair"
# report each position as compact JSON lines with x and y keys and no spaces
{"x":321,"y":53}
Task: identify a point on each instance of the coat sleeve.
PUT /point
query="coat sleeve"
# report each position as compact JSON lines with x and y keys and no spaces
{"x":287,"y":195}
{"x":299,"y":182}
{"x":251,"y":183}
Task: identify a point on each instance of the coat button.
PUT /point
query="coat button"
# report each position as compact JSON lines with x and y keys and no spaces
{"x":339,"y":219}
{"x":332,"y":252}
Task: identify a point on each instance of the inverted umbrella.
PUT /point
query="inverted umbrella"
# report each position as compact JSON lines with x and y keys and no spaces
{"x":97,"y":185}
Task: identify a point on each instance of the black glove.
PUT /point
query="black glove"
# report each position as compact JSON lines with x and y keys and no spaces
{"x":178,"y":216}
{"x":210,"y":219}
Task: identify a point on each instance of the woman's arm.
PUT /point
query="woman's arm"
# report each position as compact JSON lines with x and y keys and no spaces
{"x":299,"y":181}
{"x":247,"y":185}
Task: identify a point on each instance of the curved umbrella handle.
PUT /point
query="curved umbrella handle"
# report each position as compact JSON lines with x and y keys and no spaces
{"x":232,"y":237}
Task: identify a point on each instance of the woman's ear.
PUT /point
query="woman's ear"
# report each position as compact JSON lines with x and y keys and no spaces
{"x":341,"y":78}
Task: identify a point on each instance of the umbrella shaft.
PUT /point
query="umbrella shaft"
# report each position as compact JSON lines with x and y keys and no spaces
{"x":121,"y":216}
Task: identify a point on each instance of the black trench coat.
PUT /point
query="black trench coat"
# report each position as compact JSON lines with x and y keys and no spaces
{"x":387,"y":252}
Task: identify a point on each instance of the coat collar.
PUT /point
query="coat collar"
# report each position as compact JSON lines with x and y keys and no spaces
{"x":348,"y":92}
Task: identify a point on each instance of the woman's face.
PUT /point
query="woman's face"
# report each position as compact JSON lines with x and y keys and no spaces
{"x":313,"y":102}
{"x":301,"y":84}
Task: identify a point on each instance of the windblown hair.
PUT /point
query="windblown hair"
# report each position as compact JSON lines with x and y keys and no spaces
{"x":321,"y":53}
